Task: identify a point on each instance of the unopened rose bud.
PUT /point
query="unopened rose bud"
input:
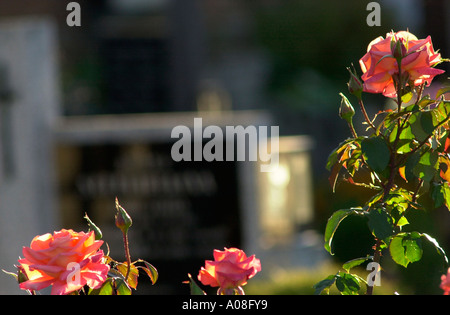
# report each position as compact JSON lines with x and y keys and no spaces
{"x":355,"y":85}
{"x":398,"y":49}
{"x":346,"y":111}
{"x":123,"y":219}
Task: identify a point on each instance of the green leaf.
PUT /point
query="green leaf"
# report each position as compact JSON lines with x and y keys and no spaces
{"x":333,"y":223}
{"x":380,"y":223}
{"x":426,"y":121}
{"x":194,"y":288}
{"x":442,"y":91}
{"x":416,"y":127}
{"x":133,"y":275}
{"x":376,"y":152}
{"x":438,"y":248}
{"x":347,"y":284}
{"x":406,"y":248}
{"x":427,"y":166}
{"x":440,"y":193}
{"x":410,"y":164}
{"x":355,"y":262}
{"x":150,"y":270}
{"x":324,"y":285}
{"x":122,"y":287}
{"x":407,"y":97}
{"x":93,"y":227}
{"x":405,"y":139}
{"x":106,"y":288}
{"x":333,"y":158}
{"x":425,"y":101}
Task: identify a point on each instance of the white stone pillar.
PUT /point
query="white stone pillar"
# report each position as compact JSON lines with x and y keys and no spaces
{"x":28,"y":57}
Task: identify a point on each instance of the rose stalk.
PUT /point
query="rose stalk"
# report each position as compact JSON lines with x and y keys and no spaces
{"x":123,"y":221}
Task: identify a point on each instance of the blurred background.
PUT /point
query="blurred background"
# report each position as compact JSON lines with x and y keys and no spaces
{"x":87,"y":111}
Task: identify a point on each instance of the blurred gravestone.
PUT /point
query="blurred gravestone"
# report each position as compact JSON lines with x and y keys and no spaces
{"x":28,"y":109}
{"x":181,"y":211}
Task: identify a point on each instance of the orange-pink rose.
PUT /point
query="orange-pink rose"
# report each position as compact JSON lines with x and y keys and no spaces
{"x":380,"y":68}
{"x":230,"y":269}
{"x":445,"y":283}
{"x":67,"y":260}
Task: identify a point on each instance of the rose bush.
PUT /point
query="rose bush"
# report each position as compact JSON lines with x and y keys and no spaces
{"x":382,"y":73}
{"x":402,"y":159}
{"x":229,"y":271}
{"x":47,"y":259}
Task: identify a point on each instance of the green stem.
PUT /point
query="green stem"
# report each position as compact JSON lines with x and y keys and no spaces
{"x":352,"y":129}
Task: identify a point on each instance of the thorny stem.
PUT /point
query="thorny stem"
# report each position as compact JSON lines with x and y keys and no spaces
{"x":127,"y":255}
{"x":363,"y":110}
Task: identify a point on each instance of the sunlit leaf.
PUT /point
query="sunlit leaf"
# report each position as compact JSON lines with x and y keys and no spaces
{"x":324,"y":285}
{"x":333,"y":223}
{"x":438,"y":248}
{"x":150,"y":270}
{"x":122,"y":287}
{"x":406,"y":248}
{"x":93,"y":227}
{"x":407,"y":97}
{"x":347,"y":284}
{"x":427,"y":165}
{"x":440,"y":193}
{"x":416,"y":127}
{"x":442,"y":91}
{"x":194,"y":288}
{"x":107,"y":288}
{"x":132,"y":279}
{"x":355,"y":262}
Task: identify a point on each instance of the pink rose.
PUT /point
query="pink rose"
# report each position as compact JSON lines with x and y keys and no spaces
{"x":380,"y":68}
{"x":230,"y":269}
{"x":445,"y":283}
{"x":67,"y":260}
